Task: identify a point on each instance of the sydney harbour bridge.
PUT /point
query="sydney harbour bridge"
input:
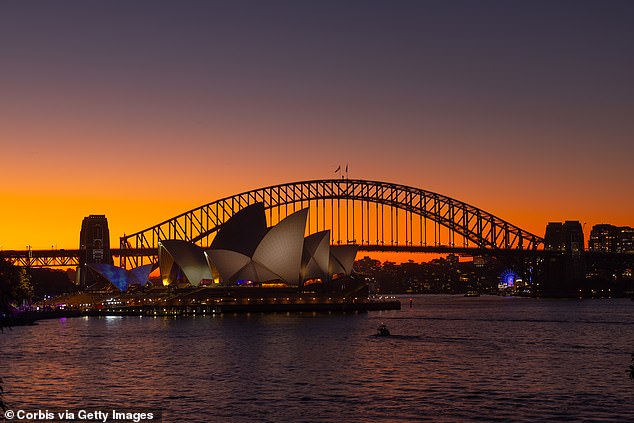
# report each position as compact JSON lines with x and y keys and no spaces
{"x":377,"y":216}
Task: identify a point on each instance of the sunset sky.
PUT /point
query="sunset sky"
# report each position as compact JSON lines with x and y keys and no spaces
{"x":141,"y":110}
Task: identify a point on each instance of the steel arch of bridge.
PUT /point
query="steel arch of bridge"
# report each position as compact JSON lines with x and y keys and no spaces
{"x":332,"y":203}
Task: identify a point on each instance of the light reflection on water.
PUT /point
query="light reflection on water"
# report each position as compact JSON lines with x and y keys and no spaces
{"x":453,"y":358}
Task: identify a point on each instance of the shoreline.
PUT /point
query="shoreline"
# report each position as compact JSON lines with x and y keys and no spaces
{"x":31,"y":317}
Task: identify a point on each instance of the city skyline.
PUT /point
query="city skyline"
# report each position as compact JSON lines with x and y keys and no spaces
{"x":143,"y":111}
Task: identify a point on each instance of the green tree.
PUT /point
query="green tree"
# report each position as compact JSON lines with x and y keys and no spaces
{"x":15,"y":286}
{"x":24,"y":288}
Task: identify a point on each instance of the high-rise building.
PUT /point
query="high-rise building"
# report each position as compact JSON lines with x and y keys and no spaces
{"x":567,"y":236}
{"x":603,"y":238}
{"x":573,"y":236}
{"x":562,"y":272}
{"x":611,"y":239}
{"x":625,"y":242}
{"x":554,"y":238}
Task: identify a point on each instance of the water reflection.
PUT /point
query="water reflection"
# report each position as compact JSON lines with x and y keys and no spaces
{"x":451,"y":359}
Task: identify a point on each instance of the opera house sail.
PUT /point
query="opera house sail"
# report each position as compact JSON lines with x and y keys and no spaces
{"x":245,"y":252}
{"x":182,"y":263}
{"x":111,"y":277}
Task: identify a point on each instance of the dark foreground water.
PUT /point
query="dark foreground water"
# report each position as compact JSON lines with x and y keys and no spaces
{"x":452,"y":359}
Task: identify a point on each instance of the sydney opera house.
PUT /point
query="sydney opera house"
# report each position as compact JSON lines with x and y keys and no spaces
{"x":245,"y":252}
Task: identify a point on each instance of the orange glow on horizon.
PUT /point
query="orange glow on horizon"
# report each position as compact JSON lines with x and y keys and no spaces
{"x":166,"y":114}
{"x":51,"y":221}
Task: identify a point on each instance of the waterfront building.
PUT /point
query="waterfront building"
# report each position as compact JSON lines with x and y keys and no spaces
{"x":603,"y":238}
{"x":566,"y":236}
{"x":625,"y":242}
{"x":562,"y":272}
{"x":245,"y":252}
{"x":553,"y":239}
{"x":611,"y":239}
{"x":573,"y":236}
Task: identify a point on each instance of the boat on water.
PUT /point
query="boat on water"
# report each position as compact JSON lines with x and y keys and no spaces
{"x":472,"y":294}
{"x":382,"y":330}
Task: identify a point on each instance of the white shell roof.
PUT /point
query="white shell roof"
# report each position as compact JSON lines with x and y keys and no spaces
{"x":279,"y":253}
{"x":280,"y":250}
{"x":316,"y":256}
{"x":189,"y":257}
{"x":243,"y":231}
{"x":342,"y":258}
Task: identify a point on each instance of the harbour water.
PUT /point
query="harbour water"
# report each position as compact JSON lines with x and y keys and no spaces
{"x":450,"y":358}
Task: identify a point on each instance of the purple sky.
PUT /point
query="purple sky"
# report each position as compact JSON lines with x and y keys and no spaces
{"x":524,"y":109}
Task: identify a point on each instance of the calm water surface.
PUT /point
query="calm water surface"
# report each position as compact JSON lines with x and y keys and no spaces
{"x":452,"y":359}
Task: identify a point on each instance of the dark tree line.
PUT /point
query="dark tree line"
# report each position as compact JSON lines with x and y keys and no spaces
{"x":442,"y":275}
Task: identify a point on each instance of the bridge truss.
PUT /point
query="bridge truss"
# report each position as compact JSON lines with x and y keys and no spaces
{"x":42,"y":258}
{"x":375,"y":215}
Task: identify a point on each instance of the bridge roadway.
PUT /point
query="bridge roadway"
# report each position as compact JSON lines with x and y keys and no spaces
{"x":65,"y":258}
{"x":71,"y":258}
